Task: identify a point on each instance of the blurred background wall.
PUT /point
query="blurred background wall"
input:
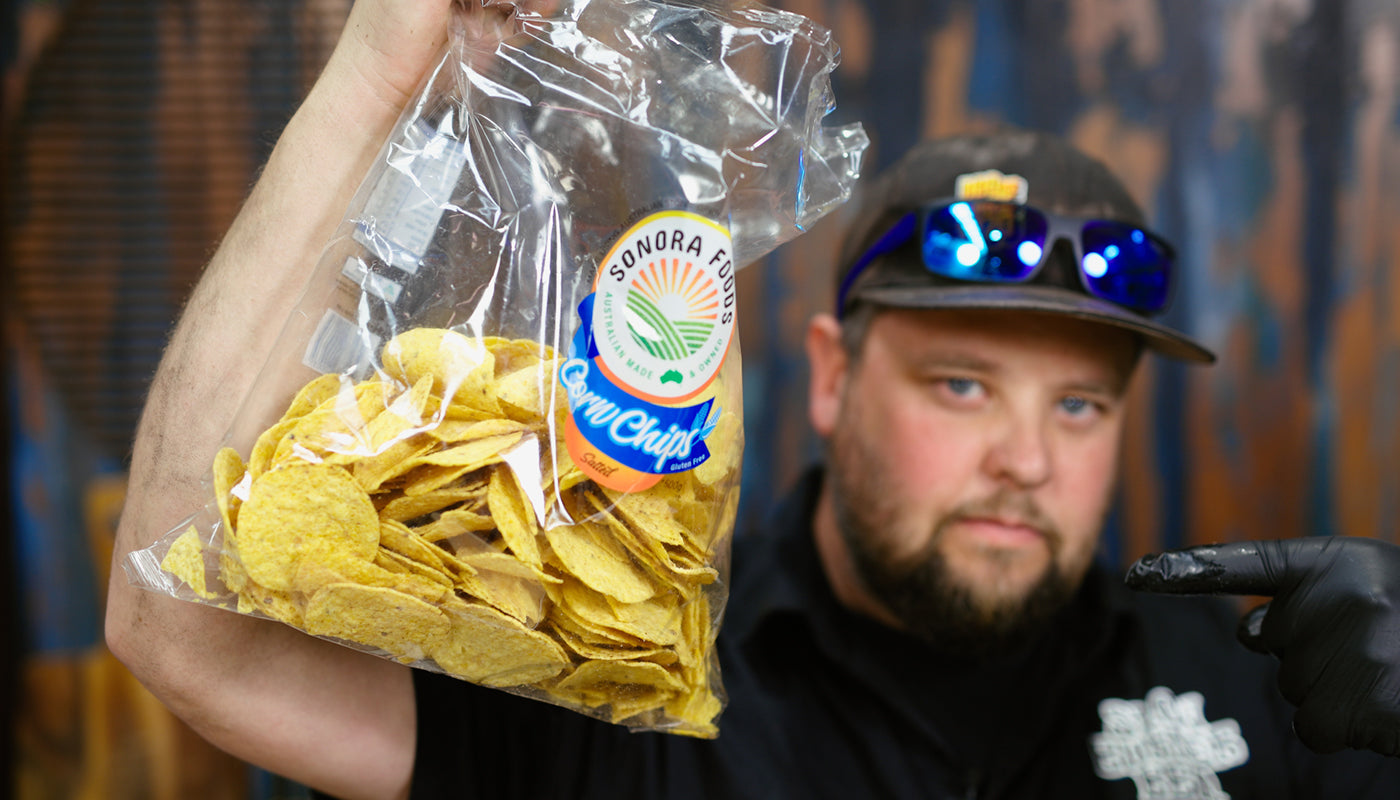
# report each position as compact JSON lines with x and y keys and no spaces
{"x":1261,"y":135}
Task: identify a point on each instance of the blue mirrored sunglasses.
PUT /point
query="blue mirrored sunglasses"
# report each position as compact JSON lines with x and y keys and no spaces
{"x":985,"y":241}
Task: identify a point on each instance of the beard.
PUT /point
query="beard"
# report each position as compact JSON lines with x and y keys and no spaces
{"x":923,"y":591}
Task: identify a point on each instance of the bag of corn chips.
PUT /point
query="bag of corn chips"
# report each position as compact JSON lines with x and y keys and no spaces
{"x":501,"y":435}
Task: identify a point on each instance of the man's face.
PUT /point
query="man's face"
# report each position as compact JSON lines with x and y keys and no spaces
{"x":972,"y":457}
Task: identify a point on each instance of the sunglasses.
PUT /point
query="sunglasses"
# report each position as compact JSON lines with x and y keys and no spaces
{"x":985,"y":241}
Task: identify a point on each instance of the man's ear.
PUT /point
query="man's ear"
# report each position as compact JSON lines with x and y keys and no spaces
{"x":828,"y":364}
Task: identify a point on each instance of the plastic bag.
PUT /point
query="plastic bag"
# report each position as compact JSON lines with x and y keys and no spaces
{"x":500,"y":436}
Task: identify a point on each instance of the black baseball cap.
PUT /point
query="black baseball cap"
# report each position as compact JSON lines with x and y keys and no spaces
{"x":1051,"y":175}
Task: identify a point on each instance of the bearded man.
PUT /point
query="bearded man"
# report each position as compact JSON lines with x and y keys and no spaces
{"x":923,"y":616}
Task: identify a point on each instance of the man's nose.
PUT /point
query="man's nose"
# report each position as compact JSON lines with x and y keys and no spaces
{"x":1019,"y":453}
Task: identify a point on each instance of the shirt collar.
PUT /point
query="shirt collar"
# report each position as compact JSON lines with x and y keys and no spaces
{"x":776,"y":569}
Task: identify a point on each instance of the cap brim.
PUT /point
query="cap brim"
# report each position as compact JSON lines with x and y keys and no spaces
{"x":1045,"y":300}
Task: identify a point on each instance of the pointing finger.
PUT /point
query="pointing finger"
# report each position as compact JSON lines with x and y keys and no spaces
{"x":1256,"y":568}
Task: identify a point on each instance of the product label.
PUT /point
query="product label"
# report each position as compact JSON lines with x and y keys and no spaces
{"x":414,"y":188}
{"x":991,"y":184}
{"x":338,"y":344}
{"x":652,"y":335}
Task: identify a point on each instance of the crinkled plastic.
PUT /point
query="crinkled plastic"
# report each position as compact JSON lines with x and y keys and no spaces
{"x":500,"y":436}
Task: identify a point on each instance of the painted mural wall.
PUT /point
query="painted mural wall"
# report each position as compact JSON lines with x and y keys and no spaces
{"x":1261,"y":135}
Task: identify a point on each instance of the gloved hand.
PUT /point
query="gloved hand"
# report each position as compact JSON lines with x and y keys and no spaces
{"x":1333,"y":623}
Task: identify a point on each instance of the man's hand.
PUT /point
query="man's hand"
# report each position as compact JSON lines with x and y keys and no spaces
{"x":1333,"y":623}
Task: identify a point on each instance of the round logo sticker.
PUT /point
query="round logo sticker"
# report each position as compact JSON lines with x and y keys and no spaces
{"x":664,"y":307}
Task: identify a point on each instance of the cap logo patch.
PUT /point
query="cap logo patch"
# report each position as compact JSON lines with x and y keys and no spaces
{"x":991,"y":184}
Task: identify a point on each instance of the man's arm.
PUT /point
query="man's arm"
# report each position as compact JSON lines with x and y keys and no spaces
{"x":319,"y":713}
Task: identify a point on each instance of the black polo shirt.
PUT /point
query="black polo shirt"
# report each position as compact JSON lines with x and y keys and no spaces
{"x":1123,"y":696}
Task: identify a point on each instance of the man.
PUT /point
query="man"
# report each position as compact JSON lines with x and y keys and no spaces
{"x":922,"y":619}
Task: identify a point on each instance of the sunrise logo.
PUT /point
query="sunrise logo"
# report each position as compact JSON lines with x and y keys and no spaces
{"x":671,"y":309}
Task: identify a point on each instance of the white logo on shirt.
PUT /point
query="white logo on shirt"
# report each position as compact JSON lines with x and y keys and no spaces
{"x":1164,"y":743}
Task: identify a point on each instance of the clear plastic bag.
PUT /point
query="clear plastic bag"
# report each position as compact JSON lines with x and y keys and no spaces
{"x":500,"y":436}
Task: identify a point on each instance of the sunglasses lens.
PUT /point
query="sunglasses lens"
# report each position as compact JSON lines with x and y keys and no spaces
{"x":1126,"y":265}
{"x":984,"y":241}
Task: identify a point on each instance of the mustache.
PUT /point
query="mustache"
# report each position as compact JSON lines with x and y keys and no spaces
{"x":1008,"y":506}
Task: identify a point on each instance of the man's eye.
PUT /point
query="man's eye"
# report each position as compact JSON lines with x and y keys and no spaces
{"x":1078,"y":406}
{"x":962,"y":387}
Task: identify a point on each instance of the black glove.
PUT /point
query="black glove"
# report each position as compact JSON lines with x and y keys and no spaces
{"x":1333,"y":623}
